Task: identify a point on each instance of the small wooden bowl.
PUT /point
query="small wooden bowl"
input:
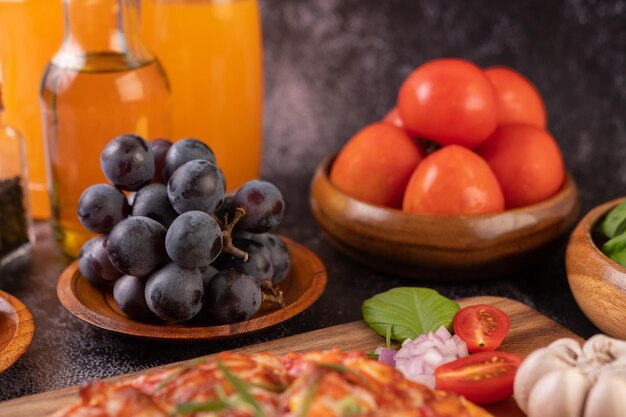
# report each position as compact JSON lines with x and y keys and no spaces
{"x":440,"y":247}
{"x":597,"y":282}
{"x":304,"y":284}
{"x":16,"y":329}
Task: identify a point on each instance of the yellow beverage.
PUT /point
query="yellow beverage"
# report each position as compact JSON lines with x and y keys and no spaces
{"x":30,"y":33}
{"x":211,"y":52}
{"x":102,"y":83}
{"x":85,"y":109}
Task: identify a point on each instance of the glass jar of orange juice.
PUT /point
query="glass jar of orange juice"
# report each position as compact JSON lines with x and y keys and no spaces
{"x":30,"y":33}
{"x":211,"y":52}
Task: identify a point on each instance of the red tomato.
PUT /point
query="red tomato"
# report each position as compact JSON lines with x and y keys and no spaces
{"x":453,"y":180}
{"x":376,"y":164}
{"x":393,"y":117}
{"x":482,"y":327}
{"x":527,"y":162}
{"x":483,"y":378}
{"x":449,"y":101}
{"x":519,"y":102}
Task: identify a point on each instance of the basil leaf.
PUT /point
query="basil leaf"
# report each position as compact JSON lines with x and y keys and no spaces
{"x":616,"y":249}
{"x":610,"y":226}
{"x":408,"y":312}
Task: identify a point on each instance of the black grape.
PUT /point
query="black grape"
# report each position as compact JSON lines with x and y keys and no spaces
{"x":128,"y":162}
{"x":159,"y":150}
{"x":98,"y":257}
{"x":128,"y":293}
{"x":137,"y":245}
{"x":174,"y":293}
{"x":258,"y":264}
{"x":207,"y":273}
{"x":279,"y":255}
{"x":92,"y":263}
{"x":264,"y":206}
{"x":152,"y":201}
{"x":196,"y":186}
{"x":101,"y":207}
{"x":233,"y":297}
{"x":184,"y":151}
{"x":194,"y":240}
{"x":241,"y":234}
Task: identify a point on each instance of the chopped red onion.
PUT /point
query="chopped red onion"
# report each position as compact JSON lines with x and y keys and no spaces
{"x":386,"y":356}
{"x":443,"y":333}
{"x":417,"y":359}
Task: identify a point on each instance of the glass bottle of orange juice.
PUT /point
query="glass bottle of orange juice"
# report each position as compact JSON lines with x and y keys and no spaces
{"x":211,"y":52}
{"x":102,"y":83}
{"x":30,"y":33}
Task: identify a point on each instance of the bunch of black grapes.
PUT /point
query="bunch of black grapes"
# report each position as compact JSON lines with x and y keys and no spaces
{"x":177,"y":247}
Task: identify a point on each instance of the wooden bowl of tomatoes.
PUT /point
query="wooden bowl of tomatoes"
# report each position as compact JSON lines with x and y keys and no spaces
{"x":597,"y":281}
{"x":458,"y":181}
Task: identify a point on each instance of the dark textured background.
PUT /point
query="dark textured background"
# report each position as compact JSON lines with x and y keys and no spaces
{"x":333,"y":66}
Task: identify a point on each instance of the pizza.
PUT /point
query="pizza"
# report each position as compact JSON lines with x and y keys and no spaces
{"x":315,"y":384}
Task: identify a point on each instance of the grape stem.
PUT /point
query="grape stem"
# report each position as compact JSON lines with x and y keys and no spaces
{"x":272,"y":293}
{"x":227,"y":233}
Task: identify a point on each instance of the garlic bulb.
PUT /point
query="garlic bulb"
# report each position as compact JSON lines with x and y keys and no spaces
{"x":565,"y":380}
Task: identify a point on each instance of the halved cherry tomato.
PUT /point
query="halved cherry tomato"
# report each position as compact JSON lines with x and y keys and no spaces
{"x":484,"y":378}
{"x":482,"y":327}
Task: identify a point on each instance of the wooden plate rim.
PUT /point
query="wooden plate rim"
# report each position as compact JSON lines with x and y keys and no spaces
{"x":23,"y":333}
{"x":67,"y":296}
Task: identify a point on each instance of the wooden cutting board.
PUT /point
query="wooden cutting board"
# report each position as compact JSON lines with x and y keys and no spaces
{"x":530,"y":330}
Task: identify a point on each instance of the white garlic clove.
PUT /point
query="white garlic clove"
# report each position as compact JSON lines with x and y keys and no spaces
{"x":560,"y":393}
{"x":606,"y":397}
{"x":561,"y":354}
{"x":602,"y":349}
{"x":615,"y":368}
{"x":567,"y":349}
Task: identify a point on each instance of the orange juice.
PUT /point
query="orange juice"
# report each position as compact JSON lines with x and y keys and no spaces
{"x":30,"y":33}
{"x":211,"y":52}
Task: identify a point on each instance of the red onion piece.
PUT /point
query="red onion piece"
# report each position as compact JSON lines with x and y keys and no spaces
{"x":386,"y":356}
{"x":417,"y":359}
{"x":443,"y":334}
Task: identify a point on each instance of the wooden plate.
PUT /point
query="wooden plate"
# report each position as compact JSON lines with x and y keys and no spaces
{"x":304,"y":284}
{"x":16,"y":329}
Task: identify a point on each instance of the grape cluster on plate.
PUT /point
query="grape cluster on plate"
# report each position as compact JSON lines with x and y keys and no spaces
{"x":184,"y":249}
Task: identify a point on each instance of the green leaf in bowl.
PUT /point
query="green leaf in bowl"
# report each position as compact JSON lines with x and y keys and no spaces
{"x":406,"y":312}
{"x":615,"y":222}
{"x":616,"y":249}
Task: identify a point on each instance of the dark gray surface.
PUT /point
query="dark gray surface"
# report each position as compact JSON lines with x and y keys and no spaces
{"x":333,"y":66}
